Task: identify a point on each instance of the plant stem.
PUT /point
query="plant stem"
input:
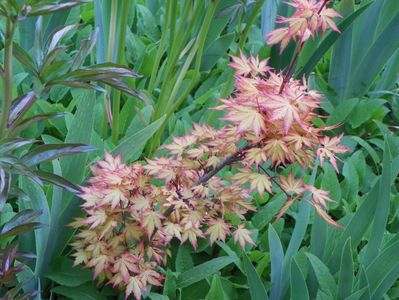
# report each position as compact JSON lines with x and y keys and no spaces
{"x":291,"y":68}
{"x":161,"y":47}
{"x":7,"y":78}
{"x":116,"y":100}
{"x":235,"y":157}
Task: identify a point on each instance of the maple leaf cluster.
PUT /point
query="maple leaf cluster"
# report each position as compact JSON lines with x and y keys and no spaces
{"x":134,"y":211}
{"x":309,"y":17}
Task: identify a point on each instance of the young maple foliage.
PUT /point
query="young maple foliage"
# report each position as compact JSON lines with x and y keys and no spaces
{"x":134,"y":211}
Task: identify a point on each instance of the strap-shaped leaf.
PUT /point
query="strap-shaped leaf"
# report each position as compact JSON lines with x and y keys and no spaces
{"x":20,"y":106}
{"x":58,"y":180}
{"x":40,"y":9}
{"x":256,"y":288}
{"x":202,"y":271}
{"x":49,"y":152}
{"x":41,"y":117}
{"x":21,"y":218}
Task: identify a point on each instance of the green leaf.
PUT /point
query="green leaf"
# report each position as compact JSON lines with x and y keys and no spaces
{"x":87,"y":291}
{"x":170,"y":285}
{"x":379,"y":53}
{"x":232,"y":254}
{"x":276,"y":259}
{"x":299,"y":231}
{"x":364,"y":111}
{"x":202,"y":271}
{"x":356,"y":295}
{"x":215,"y":51}
{"x":184,"y":260}
{"x":342,"y":111}
{"x":266,"y":214}
{"x":330,"y":183}
{"x":383,"y":266}
{"x":132,"y":146}
{"x":216,"y":292}
{"x":43,"y":9}
{"x":325,"y":279}
{"x":299,"y":290}
{"x":346,"y":272}
{"x":382,"y":209}
{"x":340,"y":63}
{"x":154,"y":296}
{"x":74,"y":168}
{"x":62,"y":272}
{"x":256,"y":287}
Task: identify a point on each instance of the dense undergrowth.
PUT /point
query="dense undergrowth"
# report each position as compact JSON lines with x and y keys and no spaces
{"x":83,"y":79}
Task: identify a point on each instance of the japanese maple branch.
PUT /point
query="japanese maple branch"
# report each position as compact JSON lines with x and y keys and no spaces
{"x":275,"y":181}
{"x":291,"y":68}
{"x":235,"y":157}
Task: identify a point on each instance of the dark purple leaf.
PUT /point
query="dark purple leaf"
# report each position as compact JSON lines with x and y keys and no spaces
{"x":58,"y":180}
{"x":20,"y":106}
{"x":50,"y":152}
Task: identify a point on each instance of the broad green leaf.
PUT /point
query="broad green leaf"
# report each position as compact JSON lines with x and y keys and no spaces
{"x":299,"y":290}
{"x":346,"y":275}
{"x":232,"y":254}
{"x":299,"y":231}
{"x":356,"y":295}
{"x":154,"y":296}
{"x":215,"y":51}
{"x":132,"y":146}
{"x":382,"y":208}
{"x":379,"y":53}
{"x":216,"y":292}
{"x":202,"y":271}
{"x":340,"y":63}
{"x":364,"y":111}
{"x":266,"y":214}
{"x":319,"y":236}
{"x":38,"y":201}
{"x":170,"y":285}
{"x":87,"y":291}
{"x":184,"y":260}
{"x":276,"y":260}
{"x":325,"y":279}
{"x":383,"y":266}
{"x":342,"y":111}
{"x":62,"y":272}
{"x":74,"y":168}
{"x":256,"y":288}
{"x":330,"y":183}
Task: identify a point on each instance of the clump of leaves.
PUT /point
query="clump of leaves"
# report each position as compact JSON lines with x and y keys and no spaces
{"x":134,"y":211}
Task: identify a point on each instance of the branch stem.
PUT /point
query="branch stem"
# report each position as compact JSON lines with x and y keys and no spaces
{"x":7,"y":78}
